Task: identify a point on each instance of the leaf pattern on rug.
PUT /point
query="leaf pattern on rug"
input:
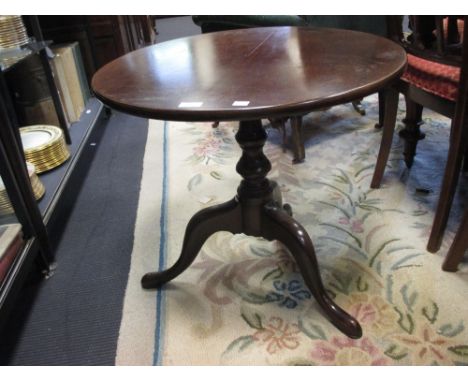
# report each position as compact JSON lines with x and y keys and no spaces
{"x":370,"y":245}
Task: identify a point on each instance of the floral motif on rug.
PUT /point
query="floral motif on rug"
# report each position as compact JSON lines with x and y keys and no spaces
{"x":243,"y":300}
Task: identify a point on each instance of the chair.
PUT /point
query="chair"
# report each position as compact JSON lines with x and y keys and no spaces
{"x":433,"y":79}
{"x":460,"y":242}
{"x":370,"y":24}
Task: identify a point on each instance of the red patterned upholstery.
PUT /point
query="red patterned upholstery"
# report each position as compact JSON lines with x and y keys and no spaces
{"x":433,"y":77}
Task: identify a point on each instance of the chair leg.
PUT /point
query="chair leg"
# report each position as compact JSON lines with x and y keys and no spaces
{"x":458,"y":247}
{"x":391,"y":108}
{"x":358,"y":107}
{"x":379,"y":125}
{"x":412,"y":131}
{"x":449,"y":185}
{"x":297,"y":139}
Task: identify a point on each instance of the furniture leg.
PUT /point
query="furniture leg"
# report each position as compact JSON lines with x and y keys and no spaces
{"x":380,"y":124}
{"x":357,"y":105}
{"x":391,"y":108}
{"x":223,"y":217}
{"x":458,"y":247}
{"x":412,"y":131}
{"x":278,"y":225}
{"x":297,"y":139}
{"x":449,"y":182}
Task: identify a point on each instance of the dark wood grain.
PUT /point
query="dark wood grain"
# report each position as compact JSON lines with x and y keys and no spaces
{"x":281,"y":71}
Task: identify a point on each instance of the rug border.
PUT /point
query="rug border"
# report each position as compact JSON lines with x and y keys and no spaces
{"x":160,"y":296}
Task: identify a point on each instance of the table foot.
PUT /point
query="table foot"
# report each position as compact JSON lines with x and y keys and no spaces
{"x":358,"y":106}
{"x":223,"y":217}
{"x":277,"y":224}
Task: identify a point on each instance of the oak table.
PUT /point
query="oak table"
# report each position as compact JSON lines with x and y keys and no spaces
{"x":246,"y":75}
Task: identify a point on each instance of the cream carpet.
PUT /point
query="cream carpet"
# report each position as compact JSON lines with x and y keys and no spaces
{"x":243,"y":301}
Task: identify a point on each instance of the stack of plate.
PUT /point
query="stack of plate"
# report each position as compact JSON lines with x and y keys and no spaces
{"x":37,"y":186}
{"x":44,"y":146}
{"x":12,"y":32}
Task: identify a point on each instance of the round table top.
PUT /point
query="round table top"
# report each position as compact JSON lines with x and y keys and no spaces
{"x":249,"y":73}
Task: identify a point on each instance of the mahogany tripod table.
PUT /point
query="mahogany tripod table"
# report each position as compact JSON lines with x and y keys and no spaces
{"x":246,"y":75}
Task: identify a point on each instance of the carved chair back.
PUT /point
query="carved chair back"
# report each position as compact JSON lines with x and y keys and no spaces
{"x":435,"y":38}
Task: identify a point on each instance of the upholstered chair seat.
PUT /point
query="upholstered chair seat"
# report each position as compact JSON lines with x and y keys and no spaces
{"x":433,"y":77}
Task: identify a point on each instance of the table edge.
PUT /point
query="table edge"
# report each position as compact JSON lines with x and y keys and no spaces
{"x":251,"y":113}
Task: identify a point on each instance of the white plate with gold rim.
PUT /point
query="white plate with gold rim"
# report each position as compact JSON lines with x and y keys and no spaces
{"x":39,"y":137}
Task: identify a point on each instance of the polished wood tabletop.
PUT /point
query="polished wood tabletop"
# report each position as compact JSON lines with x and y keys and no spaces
{"x":249,"y":73}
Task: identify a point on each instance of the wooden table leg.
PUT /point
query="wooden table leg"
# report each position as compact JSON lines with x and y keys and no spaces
{"x":257,"y":210}
{"x":380,"y":124}
{"x":297,"y":139}
{"x":279,"y":225}
{"x":357,"y":105}
{"x":391,"y":108}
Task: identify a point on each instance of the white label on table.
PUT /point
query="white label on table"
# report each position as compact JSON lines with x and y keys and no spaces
{"x":240,"y":103}
{"x":190,"y":104}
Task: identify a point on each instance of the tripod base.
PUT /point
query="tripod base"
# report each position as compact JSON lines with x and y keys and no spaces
{"x":276,"y":223}
{"x":257,"y":210}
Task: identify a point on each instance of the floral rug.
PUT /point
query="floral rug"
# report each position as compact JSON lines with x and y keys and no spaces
{"x":243,"y":300}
